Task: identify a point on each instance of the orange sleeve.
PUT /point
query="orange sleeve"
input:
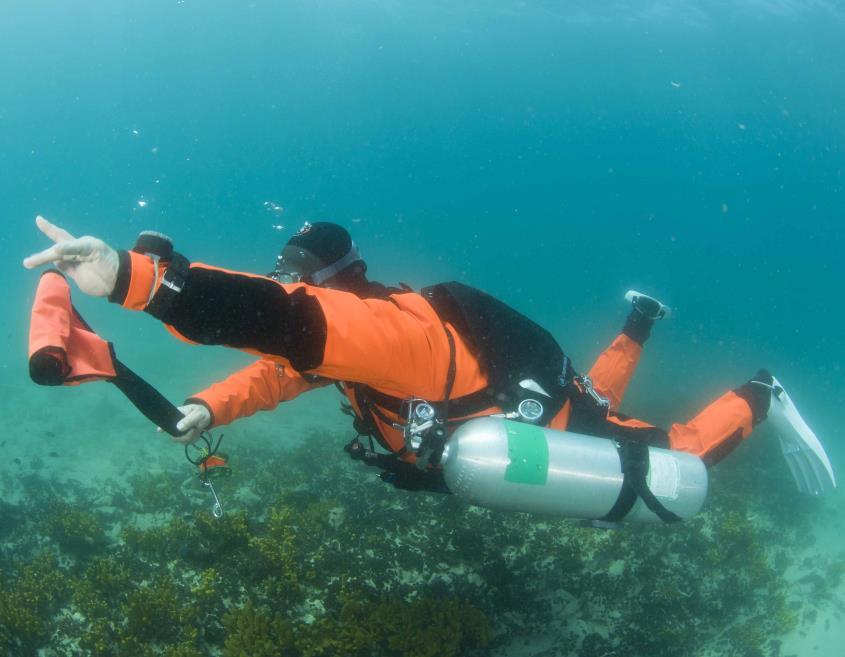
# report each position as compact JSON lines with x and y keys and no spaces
{"x":257,"y":387}
{"x":397,"y":345}
{"x":144,"y":279}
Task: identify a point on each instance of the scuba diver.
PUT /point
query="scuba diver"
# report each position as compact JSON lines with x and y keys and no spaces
{"x":323,"y":254}
{"x":415,"y":367}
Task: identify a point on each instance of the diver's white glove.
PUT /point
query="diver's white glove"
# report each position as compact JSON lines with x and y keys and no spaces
{"x":90,"y":262}
{"x":197,"y":419}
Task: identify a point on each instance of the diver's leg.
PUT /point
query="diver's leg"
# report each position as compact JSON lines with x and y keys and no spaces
{"x":717,"y":430}
{"x":720,"y":427}
{"x":614,"y":368}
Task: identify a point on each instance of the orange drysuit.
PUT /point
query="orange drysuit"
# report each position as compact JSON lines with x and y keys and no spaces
{"x":395,"y":344}
{"x":262,"y":385}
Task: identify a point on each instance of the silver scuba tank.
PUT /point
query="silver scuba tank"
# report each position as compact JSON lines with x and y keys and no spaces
{"x":514,"y":466}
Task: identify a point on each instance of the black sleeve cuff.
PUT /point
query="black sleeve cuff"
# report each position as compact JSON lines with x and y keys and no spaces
{"x":124,"y":275}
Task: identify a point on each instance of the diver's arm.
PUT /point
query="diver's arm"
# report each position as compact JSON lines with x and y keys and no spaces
{"x":396,"y":345}
{"x":260,"y":386}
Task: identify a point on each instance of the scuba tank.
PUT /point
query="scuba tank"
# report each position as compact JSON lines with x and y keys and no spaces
{"x":514,"y":466}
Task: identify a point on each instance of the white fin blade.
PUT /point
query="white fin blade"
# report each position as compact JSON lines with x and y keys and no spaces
{"x":800,"y":445}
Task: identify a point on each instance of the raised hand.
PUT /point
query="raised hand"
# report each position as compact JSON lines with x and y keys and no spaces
{"x":89,"y":261}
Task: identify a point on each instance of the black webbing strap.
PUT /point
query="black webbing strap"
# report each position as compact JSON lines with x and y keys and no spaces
{"x":459,"y":407}
{"x":450,"y":374}
{"x":369,"y":411}
{"x":634,"y":460}
{"x":152,"y":404}
{"x":436,"y":436}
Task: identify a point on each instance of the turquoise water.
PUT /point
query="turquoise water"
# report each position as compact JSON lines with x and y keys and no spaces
{"x":554,"y":154}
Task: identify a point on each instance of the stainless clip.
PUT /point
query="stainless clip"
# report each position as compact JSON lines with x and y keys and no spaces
{"x":587,"y":383}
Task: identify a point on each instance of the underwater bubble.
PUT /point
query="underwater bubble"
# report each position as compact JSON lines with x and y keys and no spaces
{"x":142,"y":203}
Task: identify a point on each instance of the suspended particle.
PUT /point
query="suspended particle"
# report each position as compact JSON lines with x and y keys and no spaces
{"x":142,"y":203}
{"x":272,"y":206}
{"x":677,"y":85}
{"x":277,"y":227}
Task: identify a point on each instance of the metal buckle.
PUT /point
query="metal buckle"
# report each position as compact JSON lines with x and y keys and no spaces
{"x":587,"y":384}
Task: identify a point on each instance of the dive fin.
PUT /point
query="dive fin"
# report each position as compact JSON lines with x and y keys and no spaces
{"x":648,"y":306}
{"x":804,"y":454}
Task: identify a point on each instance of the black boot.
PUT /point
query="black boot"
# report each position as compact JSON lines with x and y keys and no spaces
{"x":758,"y":393}
{"x":646,"y":310}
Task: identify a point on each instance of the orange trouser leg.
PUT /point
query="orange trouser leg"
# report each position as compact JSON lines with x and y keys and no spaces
{"x":614,"y":368}
{"x":714,"y":432}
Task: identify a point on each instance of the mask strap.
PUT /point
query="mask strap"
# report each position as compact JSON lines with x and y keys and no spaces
{"x":324,"y":274}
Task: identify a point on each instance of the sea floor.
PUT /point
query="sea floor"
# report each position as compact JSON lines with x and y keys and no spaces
{"x":89,"y":438}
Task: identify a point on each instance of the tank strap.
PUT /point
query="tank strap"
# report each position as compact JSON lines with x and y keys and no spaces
{"x":634,"y":460}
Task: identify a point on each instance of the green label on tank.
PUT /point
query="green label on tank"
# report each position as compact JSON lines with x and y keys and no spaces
{"x":528,"y":452}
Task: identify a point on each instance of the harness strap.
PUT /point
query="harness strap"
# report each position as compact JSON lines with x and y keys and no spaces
{"x":366,"y":424}
{"x":459,"y":407}
{"x":433,"y":441}
{"x":450,"y":374}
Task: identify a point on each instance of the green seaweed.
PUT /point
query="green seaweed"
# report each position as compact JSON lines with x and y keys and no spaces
{"x":339,"y":564}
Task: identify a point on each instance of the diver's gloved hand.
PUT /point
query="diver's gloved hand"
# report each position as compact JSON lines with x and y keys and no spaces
{"x":90,"y":262}
{"x":197,"y":419}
